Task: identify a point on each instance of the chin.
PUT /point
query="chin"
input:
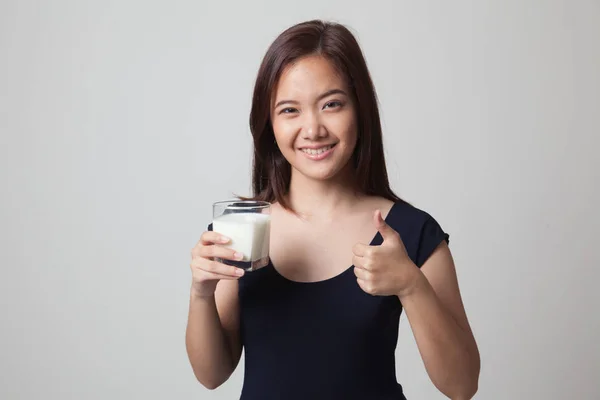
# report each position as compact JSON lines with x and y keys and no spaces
{"x":320,"y":174}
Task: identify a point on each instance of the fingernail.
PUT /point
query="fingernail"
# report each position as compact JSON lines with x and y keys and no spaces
{"x":224,"y":239}
{"x":238,"y":256}
{"x":239,"y":272}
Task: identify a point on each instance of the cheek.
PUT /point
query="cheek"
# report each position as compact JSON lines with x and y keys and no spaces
{"x":284,"y":133}
{"x":346,"y":130}
{"x":352,"y":136}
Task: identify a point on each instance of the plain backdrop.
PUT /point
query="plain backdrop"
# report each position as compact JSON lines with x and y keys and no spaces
{"x":122,"y":121}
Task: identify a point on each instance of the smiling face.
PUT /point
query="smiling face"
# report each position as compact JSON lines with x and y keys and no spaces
{"x":314,"y":118}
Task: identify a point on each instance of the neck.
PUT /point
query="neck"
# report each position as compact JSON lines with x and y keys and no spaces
{"x":322,"y":199}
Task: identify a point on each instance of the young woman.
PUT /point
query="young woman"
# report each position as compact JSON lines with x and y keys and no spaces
{"x":347,"y":255}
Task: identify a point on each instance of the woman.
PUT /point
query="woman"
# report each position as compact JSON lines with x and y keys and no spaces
{"x":347,"y":255}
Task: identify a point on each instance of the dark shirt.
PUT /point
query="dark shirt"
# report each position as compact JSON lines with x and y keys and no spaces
{"x":327,"y":339}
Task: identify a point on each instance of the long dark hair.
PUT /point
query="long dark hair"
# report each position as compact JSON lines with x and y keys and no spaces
{"x":271,"y":173}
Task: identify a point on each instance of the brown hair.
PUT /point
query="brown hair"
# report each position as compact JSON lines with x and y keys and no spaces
{"x":271,"y":172}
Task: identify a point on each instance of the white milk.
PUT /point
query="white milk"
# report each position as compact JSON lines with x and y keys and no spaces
{"x":249,"y":233}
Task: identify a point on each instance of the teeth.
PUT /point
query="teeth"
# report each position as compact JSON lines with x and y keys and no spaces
{"x":315,"y":152}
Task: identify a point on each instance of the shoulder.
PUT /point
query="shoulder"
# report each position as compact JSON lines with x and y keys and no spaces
{"x":419,"y":230}
{"x":372,"y":203}
{"x":405,"y":213}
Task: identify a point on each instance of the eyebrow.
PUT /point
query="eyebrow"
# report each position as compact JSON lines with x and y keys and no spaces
{"x":322,"y":96}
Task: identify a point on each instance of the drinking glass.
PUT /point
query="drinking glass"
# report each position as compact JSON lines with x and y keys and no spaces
{"x":247,"y":223}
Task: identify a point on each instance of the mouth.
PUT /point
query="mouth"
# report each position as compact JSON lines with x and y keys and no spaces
{"x":318,"y":154}
{"x":319,"y":151}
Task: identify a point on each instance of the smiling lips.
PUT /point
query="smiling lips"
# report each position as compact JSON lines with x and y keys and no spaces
{"x":318,"y":153}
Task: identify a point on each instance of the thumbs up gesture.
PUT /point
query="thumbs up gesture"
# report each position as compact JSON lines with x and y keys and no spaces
{"x":387,"y":269}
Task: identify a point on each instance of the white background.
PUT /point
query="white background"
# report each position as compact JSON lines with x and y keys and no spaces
{"x":122,"y":121}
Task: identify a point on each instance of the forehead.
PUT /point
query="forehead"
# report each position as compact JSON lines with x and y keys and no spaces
{"x":309,"y":76}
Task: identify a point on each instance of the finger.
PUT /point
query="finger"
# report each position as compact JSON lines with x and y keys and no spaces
{"x":386,"y":231}
{"x":359,"y":262}
{"x":213,"y":251}
{"x":215,"y":267}
{"x":365,"y":286}
{"x":196,"y":251}
{"x":362,"y":250}
{"x":362,"y":274}
{"x":365,"y":263}
{"x":214,"y":276}
{"x":211,"y":237}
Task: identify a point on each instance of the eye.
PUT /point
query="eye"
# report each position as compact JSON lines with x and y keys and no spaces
{"x":332,"y":104}
{"x":288,"y":110}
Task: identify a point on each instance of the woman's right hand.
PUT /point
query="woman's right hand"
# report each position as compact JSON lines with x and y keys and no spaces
{"x":206,"y":272}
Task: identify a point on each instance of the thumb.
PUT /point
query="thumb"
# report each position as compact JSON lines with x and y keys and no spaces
{"x":386,"y":231}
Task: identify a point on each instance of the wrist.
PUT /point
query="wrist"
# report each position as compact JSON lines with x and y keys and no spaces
{"x":201,"y":293}
{"x":417,"y":281}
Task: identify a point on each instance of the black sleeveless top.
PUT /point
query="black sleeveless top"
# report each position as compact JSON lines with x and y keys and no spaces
{"x":327,"y":339}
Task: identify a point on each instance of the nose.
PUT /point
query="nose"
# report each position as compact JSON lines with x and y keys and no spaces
{"x":312,"y":128}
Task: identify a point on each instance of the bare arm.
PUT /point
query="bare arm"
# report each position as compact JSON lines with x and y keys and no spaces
{"x":439,"y":323}
{"x":212,"y":336}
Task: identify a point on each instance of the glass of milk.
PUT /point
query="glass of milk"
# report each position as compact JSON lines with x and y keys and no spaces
{"x":248,"y":224}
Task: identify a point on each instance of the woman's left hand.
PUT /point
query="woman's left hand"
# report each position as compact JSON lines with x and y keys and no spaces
{"x":385,"y":270}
